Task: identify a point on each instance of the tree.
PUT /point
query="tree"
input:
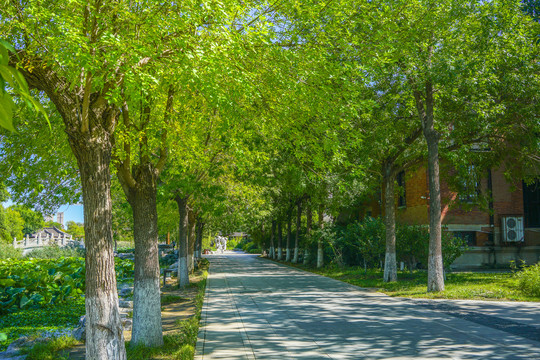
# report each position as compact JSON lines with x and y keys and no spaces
{"x":11,"y":225}
{"x":79,"y":70}
{"x":33,"y":220}
{"x":75,"y":229}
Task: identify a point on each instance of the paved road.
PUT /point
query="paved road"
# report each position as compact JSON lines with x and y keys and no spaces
{"x":257,"y":309}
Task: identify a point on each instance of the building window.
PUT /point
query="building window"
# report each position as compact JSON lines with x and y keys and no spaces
{"x":469,"y":237}
{"x":401,"y":184}
{"x":469,"y":185}
{"x":531,"y":204}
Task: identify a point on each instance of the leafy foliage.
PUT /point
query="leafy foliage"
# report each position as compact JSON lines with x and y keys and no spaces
{"x":33,"y":220}
{"x":529,"y":280}
{"x":11,"y":225}
{"x":37,"y":282}
{"x":7,"y":251}
{"x":29,"y":322}
{"x":49,"y":350}
{"x":34,"y":283}
{"x":56,"y":252}
{"x":12,"y":78}
{"x":363,"y":243}
{"x":75,"y":229}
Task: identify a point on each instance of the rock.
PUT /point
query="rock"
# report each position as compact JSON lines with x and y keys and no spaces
{"x":124,"y":256}
{"x":127,"y":324}
{"x":127,"y":291}
{"x":125,"y":304}
{"x":12,"y":352}
{"x":17,"y":345}
{"x":4,"y":356}
{"x":80,"y":332}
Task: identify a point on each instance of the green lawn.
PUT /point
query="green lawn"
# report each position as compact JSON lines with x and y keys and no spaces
{"x":462,"y":285}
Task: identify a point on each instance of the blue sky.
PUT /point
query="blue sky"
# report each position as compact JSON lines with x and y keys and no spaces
{"x":71,"y":212}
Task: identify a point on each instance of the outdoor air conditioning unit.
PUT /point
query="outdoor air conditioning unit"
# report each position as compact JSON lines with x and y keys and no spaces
{"x":512,"y":228}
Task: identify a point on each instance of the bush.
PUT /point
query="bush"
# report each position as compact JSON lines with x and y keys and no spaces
{"x":364,"y":243}
{"x":529,"y":280}
{"x":56,"y":252}
{"x":7,"y":251}
{"x":49,"y":350}
{"x":361,"y":243}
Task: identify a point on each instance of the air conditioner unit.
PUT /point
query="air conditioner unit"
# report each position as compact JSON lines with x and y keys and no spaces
{"x":512,"y":228}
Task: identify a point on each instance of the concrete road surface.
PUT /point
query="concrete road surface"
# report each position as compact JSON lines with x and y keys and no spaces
{"x":257,"y":309}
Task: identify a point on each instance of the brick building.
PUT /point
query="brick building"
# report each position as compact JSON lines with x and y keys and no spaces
{"x":505,"y":228}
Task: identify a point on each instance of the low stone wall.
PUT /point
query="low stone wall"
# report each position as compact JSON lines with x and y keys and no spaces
{"x":496,"y":256}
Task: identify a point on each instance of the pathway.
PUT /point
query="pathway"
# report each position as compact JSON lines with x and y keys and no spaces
{"x":258,"y":309}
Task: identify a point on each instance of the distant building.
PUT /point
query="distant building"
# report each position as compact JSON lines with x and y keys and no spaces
{"x":508,"y":230}
{"x":60,"y":218}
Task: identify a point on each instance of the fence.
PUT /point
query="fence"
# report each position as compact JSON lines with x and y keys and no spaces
{"x":49,"y":239}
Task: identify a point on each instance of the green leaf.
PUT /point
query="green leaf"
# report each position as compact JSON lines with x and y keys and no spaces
{"x":6,"y":112}
{"x":7,"y":282}
{"x":24,"y":301}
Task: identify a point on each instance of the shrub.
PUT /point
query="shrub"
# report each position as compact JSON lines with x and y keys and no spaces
{"x":364,"y":243}
{"x":529,"y":280}
{"x":56,"y":252}
{"x":48,"y":350}
{"x":7,"y":251}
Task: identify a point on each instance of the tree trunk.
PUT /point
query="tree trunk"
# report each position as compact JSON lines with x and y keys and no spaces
{"x":279,"y":241}
{"x":104,"y":332}
{"x":309,"y":221}
{"x":320,"y":250}
{"x":192,"y":222}
{"x":183,"y":273}
{"x":435,"y":261}
{"x":272,"y":238}
{"x":147,"y":327}
{"x":90,"y":141}
{"x":390,"y":264}
{"x":289,"y":225}
{"x":198,"y":238}
{"x":298,"y":225}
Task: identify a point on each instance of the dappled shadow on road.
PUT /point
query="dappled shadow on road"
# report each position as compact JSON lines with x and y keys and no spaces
{"x":262,"y":310}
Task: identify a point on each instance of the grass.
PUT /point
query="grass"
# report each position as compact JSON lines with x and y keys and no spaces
{"x":462,"y":285}
{"x":180,"y":344}
{"x":31,"y":322}
{"x":171,"y":299}
{"x":49,"y":350}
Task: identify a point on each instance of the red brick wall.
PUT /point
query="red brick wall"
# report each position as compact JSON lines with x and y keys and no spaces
{"x":455,"y":212}
{"x":507,"y":197}
{"x":416,"y":198}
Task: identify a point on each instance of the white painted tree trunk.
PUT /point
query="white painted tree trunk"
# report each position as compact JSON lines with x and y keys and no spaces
{"x":390,"y":264}
{"x":280,"y":239}
{"x":297,"y":235}
{"x":289,"y":225}
{"x":320,"y":248}
{"x":183,"y":272}
{"x":145,"y":315}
